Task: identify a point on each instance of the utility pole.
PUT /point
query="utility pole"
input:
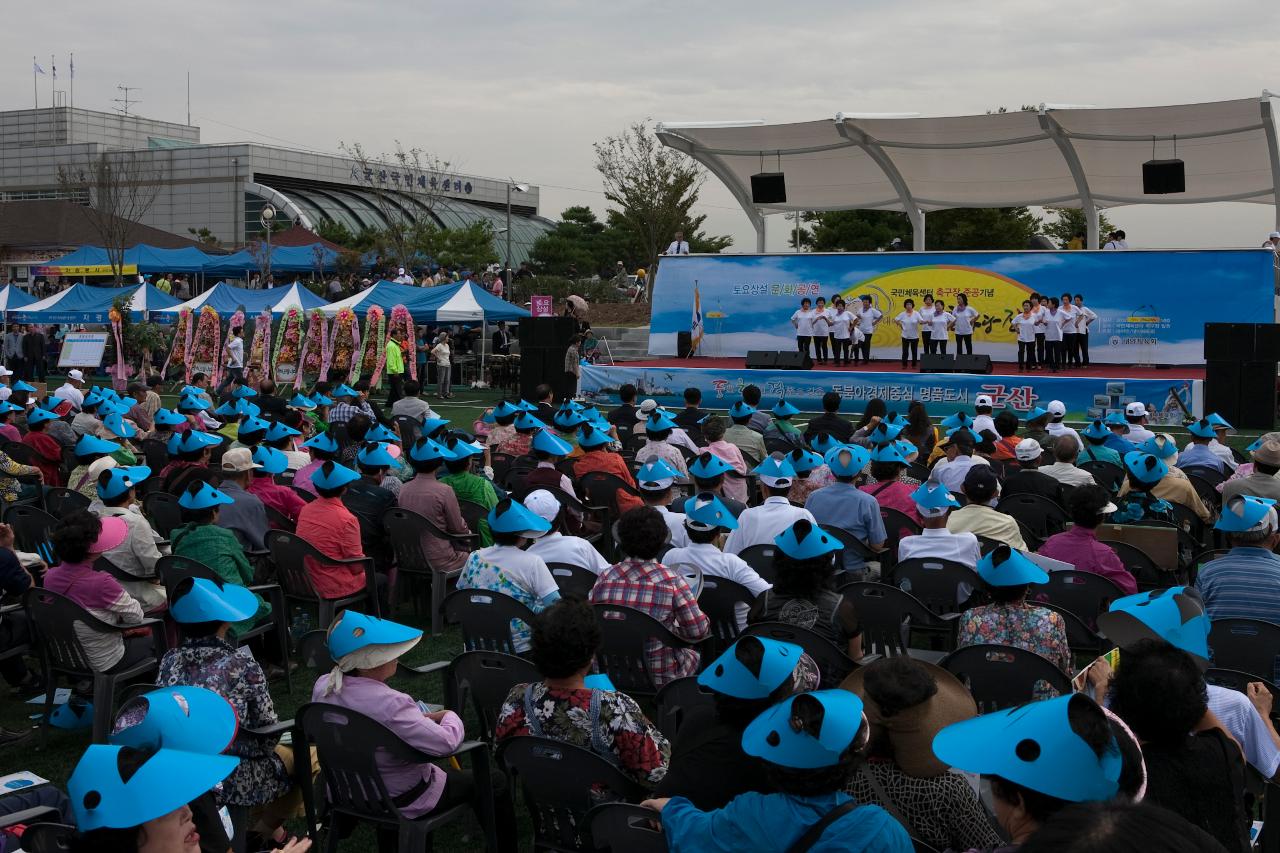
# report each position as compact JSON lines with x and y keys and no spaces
{"x":126,"y":101}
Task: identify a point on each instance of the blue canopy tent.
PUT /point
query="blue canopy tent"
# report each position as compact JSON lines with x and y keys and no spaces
{"x":83,"y":303}
{"x":283,"y":259}
{"x":386,"y":295}
{"x":226,"y":299}
{"x":12,"y":297}
{"x":464,"y":302}
{"x":148,"y":259}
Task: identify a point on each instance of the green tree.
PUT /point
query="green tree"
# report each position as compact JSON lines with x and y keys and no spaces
{"x":955,"y":229}
{"x":205,"y":237}
{"x":335,"y":232}
{"x":851,"y":230}
{"x":575,"y":242}
{"x":1067,"y":222}
{"x":470,"y":247}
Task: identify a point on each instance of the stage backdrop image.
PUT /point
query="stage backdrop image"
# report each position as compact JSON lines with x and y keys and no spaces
{"x":1151,"y":305}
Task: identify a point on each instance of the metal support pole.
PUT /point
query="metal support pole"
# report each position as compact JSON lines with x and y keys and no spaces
{"x":506,"y":264}
{"x":917,"y":231}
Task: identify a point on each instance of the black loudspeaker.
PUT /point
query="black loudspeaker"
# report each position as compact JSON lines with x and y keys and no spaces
{"x":684,"y":344}
{"x":1257,"y":395}
{"x":543,"y":364}
{"x":793,"y":361}
{"x":973,"y":364}
{"x":546,"y":332}
{"x":768,"y":188}
{"x":1266,"y":342}
{"x":937,"y":363}
{"x":761,"y":359}
{"x":1161,"y":177}
{"x":1222,"y":389}
{"x":1228,"y":342}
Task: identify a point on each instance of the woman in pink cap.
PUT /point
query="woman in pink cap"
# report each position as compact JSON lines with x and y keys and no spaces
{"x":78,"y":540}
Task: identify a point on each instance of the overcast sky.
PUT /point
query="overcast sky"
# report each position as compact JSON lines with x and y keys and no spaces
{"x":523,"y":89}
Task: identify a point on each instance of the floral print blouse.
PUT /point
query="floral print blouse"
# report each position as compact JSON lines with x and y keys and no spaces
{"x":9,"y":486}
{"x":1025,"y":626}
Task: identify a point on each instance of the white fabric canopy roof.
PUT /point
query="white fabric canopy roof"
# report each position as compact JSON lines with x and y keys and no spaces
{"x":1058,"y":157}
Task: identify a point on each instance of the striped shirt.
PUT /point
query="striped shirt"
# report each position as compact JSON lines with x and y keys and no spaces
{"x":1245,"y":584}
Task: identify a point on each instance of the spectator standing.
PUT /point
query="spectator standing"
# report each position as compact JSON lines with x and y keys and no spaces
{"x":35,"y":353}
{"x":444,"y":367}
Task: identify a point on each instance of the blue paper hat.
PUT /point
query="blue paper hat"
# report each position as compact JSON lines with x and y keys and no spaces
{"x":118,"y":426}
{"x":192,"y":404}
{"x":1202,"y":428}
{"x":545,"y":441}
{"x":227,"y":410}
{"x":427,"y":450}
{"x":1115,"y":419}
{"x":847,"y":460}
{"x":1096,"y":430}
{"x":895,"y":419}
{"x":459,"y":449}
{"x":824,"y":443}
{"x":322,"y":441}
{"x":705,"y":511}
{"x":805,"y":540}
{"x":505,"y":409}
{"x":122,"y":480}
{"x":1214,"y":418}
{"x":92,"y":400}
{"x":39,"y":416}
{"x":884,"y":433}
{"x":243,"y":391}
{"x":192,"y":440}
{"x":205,"y":498}
{"x":1145,"y":467}
{"x":775,"y":472}
{"x":524,"y":420}
{"x":272,"y":461}
{"x":525,"y":406}
{"x":771,"y":737}
{"x":656,"y":475}
{"x":89,"y":445}
{"x":253,"y":424}
{"x":192,"y":391}
{"x":192,"y":719}
{"x":375,"y":455}
{"x":354,"y":631}
{"x":198,"y":600}
{"x":599,"y":681}
{"x":1175,"y":615}
{"x":6,"y":407}
{"x":783,"y":409}
{"x":1244,"y":512}
{"x":331,"y":475}
{"x":934,"y":495}
{"x":321,"y":399}
{"x":1005,"y":566}
{"x":345,"y":390}
{"x":591,"y":436}
{"x":959,"y":419}
{"x":889,"y":453}
{"x":1035,"y":414}
{"x":378,"y":432}
{"x":1256,"y":444}
{"x":575,"y":406}
{"x":1160,"y":446}
{"x":302,"y":401}
{"x":803,"y":460}
{"x":1034,"y":746}
{"x":431,"y":425}
{"x":741,"y":410}
{"x":24,"y":386}
{"x":278,"y":431}
{"x":566,"y":419}
{"x":244,"y":407}
{"x":907,"y":449}
{"x":708,"y":466}
{"x":658,"y":421}
{"x":166,"y":780}
{"x":511,"y":516}
{"x":73,"y":714}
{"x":964,"y":430}
{"x":729,"y":677}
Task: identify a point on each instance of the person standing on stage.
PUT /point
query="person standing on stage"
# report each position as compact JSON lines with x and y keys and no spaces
{"x":841,"y":323}
{"x":1025,"y":325}
{"x":679,"y":246}
{"x":965,"y":315}
{"x":926,"y":323}
{"x":1084,"y":319}
{"x":803,"y":321}
{"x":1054,"y":322}
{"x":1070,"y":354}
{"x":868,"y":317}
{"x":909,"y":321}
{"x":821,"y":326}
{"x":1039,"y":310}
{"x":940,"y":326}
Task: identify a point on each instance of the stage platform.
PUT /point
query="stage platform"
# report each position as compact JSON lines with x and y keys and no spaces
{"x":1171,"y":393}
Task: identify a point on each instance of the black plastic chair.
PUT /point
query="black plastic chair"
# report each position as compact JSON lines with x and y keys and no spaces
{"x":279,"y":521}
{"x":1247,"y":645}
{"x":1106,"y":474}
{"x":623,"y":654}
{"x":500,"y":463}
{"x":290,"y":552}
{"x":573,"y":581}
{"x":48,"y":837}
{"x":890,"y":617}
{"x":485,"y":618}
{"x":832,"y":661}
{"x":1205,"y":488}
{"x":936,"y":583}
{"x":408,"y":529}
{"x":173,"y":569}
{"x":484,"y":679}
{"x":31,"y":528}
{"x":897,"y":524}
{"x":163,"y":510}
{"x":349,"y":747}
{"x":624,"y":828}
{"x":1081,"y":593}
{"x":1083,"y":639}
{"x":1042,"y":516}
{"x":560,"y":784}
{"x":473,"y":513}
{"x":600,"y":489}
{"x":1208,"y":473}
{"x":760,"y":558}
{"x":1142,"y":566}
{"x":313,"y":651}
{"x":303,"y":493}
{"x":23,"y":454}
{"x":1002,"y":677}
{"x":53,"y":620}
{"x":60,"y":502}
{"x":720,"y":599}
{"x":676,"y":699}
{"x":408,"y":429}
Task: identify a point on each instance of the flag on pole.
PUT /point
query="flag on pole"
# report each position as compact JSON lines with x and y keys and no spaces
{"x":695,"y":327}
{"x":35,"y":66}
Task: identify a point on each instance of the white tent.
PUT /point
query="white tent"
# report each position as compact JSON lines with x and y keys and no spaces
{"x":1055,"y":156}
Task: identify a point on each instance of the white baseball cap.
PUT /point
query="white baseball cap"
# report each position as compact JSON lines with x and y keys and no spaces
{"x":1056,"y":408}
{"x":1274,"y":235}
{"x":543,"y":504}
{"x":982,"y":400}
{"x":1028,"y":449}
{"x":4,"y":371}
{"x":76,"y":375}
{"x":1135,"y":410}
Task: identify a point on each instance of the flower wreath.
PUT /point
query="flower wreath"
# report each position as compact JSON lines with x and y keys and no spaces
{"x":181,"y":346}
{"x":313,"y":347}
{"x":402,"y":320}
{"x":344,"y":342}
{"x":375,"y":337}
{"x":260,"y":355}
{"x":207,"y":346}
{"x":288,"y":339}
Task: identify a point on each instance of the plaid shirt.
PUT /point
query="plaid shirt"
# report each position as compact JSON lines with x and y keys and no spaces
{"x":650,"y":586}
{"x":343,"y":412}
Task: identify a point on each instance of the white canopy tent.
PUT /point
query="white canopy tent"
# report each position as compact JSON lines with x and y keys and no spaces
{"x":1055,"y":157}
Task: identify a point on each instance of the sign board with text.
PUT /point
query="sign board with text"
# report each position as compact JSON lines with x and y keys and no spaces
{"x":541,"y":306}
{"x":82,"y":349}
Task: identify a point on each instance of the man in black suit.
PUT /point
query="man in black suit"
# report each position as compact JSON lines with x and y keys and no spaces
{"x":501,"y":339}
{"x":267,"y":399}
{"x":624,"y":417}
{"x":688,"y":418}
{"x":830,"y":421}
{"x":546,"y":396}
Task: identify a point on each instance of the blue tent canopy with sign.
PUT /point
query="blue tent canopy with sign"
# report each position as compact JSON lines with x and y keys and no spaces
{"x":283,"y":259}
{"x":148,"y":259}
{"x":464,"y":302}
{"x":83,"y":303}
{"x":226,"y":299}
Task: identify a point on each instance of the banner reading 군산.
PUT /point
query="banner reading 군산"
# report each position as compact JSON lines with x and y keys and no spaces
{"x":1151,"y":305}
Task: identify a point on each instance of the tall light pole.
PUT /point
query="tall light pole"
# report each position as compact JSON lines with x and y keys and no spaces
{"x":520,"y":188}
{"x":265,"y":217}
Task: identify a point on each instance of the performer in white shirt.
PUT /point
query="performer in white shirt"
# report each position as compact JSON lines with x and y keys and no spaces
{"x":802,"y":319}
{"x":678,"y":245}
{"x":706,"y":519}
{"x":965,"y":314}
{"x":1024,"y":325}
{"x":1084,"y":318}
{"x":1039,"y":309}
{"x":821,"y":323}
{"x":926,"y":327}
{"x":842,"y":322}
{"x":909,"y":321}
{"x":940,"y":325}
{"x":1053,"y":323}
{"x":868,"y":317}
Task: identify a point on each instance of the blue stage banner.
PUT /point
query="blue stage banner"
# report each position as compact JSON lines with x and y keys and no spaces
{"x":1084,"y":397}
{"x":1151,"y":305}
